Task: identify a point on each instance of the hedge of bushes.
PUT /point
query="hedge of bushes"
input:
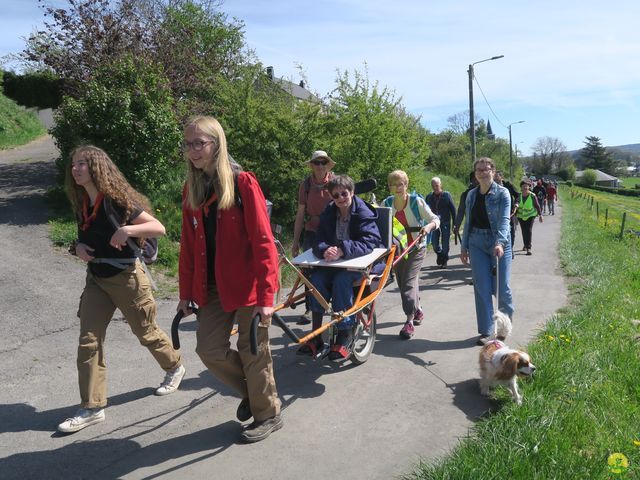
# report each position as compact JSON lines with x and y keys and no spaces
{"x":37,"y":89}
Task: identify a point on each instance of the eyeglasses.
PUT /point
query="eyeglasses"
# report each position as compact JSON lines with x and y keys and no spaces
{"x":196,"y":145}
{"x":319,"y":162}
{"x":343,"y":194}
{"x":396,"y":185}
{"x":486,"y":169}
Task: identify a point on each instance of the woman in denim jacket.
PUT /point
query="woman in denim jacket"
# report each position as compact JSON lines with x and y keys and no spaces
{"x":485,"y":240}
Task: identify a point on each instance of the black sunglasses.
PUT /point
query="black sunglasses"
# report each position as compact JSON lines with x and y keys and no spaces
{"x":343,"y":194}
{"x":320,"y":162}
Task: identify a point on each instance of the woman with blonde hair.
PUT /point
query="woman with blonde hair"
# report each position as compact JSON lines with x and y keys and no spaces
{"x":410,"y":211}
{"x":229,"y":268}
{"x":110,"y":215}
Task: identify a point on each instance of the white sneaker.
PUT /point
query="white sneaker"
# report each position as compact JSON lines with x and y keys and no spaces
{"x":84,"y":417}
{"x":171,"y":381}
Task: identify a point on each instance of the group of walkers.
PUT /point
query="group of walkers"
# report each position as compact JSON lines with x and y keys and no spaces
{"x":228,"y":263}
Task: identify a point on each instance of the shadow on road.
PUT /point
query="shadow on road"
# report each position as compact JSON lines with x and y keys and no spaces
{"x":24,"y":186}
{"x":116,"y":458}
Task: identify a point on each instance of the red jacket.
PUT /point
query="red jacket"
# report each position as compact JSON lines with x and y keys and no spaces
{"x":246,"y":264}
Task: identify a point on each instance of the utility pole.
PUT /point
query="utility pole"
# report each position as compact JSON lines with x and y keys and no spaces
{"x":511,"y":150}
{"x":472,"y":123}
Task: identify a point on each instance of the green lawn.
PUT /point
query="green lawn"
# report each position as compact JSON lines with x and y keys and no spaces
{"x":582,"y":409}
{"x":17,"y":126}
{"x":630,"y":182}
{"x":616,"y":206}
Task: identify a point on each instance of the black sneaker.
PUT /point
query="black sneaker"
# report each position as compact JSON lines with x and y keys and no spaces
{"x":482,"y":340}
{"x":258,"y":431}
{"x":244,"y":410}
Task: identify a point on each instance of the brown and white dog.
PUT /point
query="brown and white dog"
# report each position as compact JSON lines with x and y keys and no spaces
{"x":500,"y":365}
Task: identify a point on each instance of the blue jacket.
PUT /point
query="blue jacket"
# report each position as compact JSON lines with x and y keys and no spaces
{"x":363,"y":230}
{"x":498,"y":205}
{"x":444,"y":208}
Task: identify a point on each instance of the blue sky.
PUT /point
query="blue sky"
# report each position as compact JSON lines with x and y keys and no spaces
{"x":570,"y":68}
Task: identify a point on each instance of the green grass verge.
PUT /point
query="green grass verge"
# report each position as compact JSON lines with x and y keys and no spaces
{"x":609,"y":207}
{"x":630,"y":182}
{"x":17,"y":126}
{"x":584,"y":403}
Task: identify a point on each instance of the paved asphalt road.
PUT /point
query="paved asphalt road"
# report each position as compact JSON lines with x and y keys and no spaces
{"x":412,"y":400}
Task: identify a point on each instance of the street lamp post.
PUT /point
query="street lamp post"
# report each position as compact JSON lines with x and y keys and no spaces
{"x":472,"y":123}
{"x":511,"y":149}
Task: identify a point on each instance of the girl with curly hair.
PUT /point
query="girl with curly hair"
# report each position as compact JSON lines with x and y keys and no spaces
{"x":110,"y":213}
{"x":229,"y":267}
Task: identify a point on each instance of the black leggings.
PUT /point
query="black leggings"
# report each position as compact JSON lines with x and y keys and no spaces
{"x":527,"y":228}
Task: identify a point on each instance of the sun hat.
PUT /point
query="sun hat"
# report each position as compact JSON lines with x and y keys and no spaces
{"x":319,"y":154}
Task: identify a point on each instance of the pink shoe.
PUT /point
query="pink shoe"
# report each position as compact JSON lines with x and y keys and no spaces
{"x":407,"y":331}
{"x":418,"y":317}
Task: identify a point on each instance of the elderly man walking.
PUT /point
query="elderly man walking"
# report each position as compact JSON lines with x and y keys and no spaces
{"x":441,"y":203}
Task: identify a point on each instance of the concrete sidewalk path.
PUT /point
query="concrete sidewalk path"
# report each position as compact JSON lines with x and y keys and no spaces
{"x":412,"y":400}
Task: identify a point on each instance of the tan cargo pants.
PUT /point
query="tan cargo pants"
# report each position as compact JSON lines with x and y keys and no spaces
{"x":251,"y":376}
{"x":130,"y":292}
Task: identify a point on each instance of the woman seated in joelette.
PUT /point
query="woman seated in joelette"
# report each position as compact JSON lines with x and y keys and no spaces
{"x":347,"y":230}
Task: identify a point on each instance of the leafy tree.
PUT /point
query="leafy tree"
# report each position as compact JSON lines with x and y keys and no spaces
{"x":193,"y":41}
{"x":450,"y":153}
{"x":459,"y":123}
{"x":595,"y":156}
{"x":77,"y":40}
{"x":199,"y":48}
{"x":568,"y":172}
{"x":369,"y":132}
{"x":549,"y":156}
{"x":128,"y":111}
{"x":269,"y":134}
{"x":589,"y":177}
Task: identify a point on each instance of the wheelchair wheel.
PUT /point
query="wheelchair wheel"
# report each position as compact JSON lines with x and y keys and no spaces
{"x":364,"y":336}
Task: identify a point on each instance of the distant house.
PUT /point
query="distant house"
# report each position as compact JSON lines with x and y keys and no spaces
{"x":296,"y":90}
{"x":602,"y":179}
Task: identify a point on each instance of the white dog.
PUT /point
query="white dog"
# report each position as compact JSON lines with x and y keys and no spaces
{"x":500,"y":364}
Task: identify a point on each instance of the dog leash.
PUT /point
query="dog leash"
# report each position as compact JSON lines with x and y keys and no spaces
{"x":495,"y":310}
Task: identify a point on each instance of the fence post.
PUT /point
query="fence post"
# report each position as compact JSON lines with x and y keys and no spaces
{"x":624,"y":219}
{"x":597,"y":210}
{"x":606,"y":217}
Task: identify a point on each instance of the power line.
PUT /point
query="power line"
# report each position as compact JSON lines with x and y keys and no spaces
{"x":487,"y":102}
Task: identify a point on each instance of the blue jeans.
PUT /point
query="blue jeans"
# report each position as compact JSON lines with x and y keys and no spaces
{"x":481,"y":245}
{"x":442,"y":251}
{"x":335,"y":284}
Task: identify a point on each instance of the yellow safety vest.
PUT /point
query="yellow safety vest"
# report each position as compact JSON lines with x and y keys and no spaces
{"x":400,"y":235}
{"x":526,"y":210}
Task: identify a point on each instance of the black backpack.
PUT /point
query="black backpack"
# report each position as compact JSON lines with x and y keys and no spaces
{"x":148,"y":252}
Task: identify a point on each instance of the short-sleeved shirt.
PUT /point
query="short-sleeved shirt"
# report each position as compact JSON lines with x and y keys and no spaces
{"x":315,"y":202}
{"x":98,"y":235}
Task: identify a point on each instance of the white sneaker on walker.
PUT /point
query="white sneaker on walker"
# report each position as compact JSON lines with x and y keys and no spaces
{"x":84,"y":417}
{"x":171,"y":381}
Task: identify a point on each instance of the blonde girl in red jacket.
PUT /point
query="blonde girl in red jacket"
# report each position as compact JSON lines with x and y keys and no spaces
{"x":228,"y":267}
